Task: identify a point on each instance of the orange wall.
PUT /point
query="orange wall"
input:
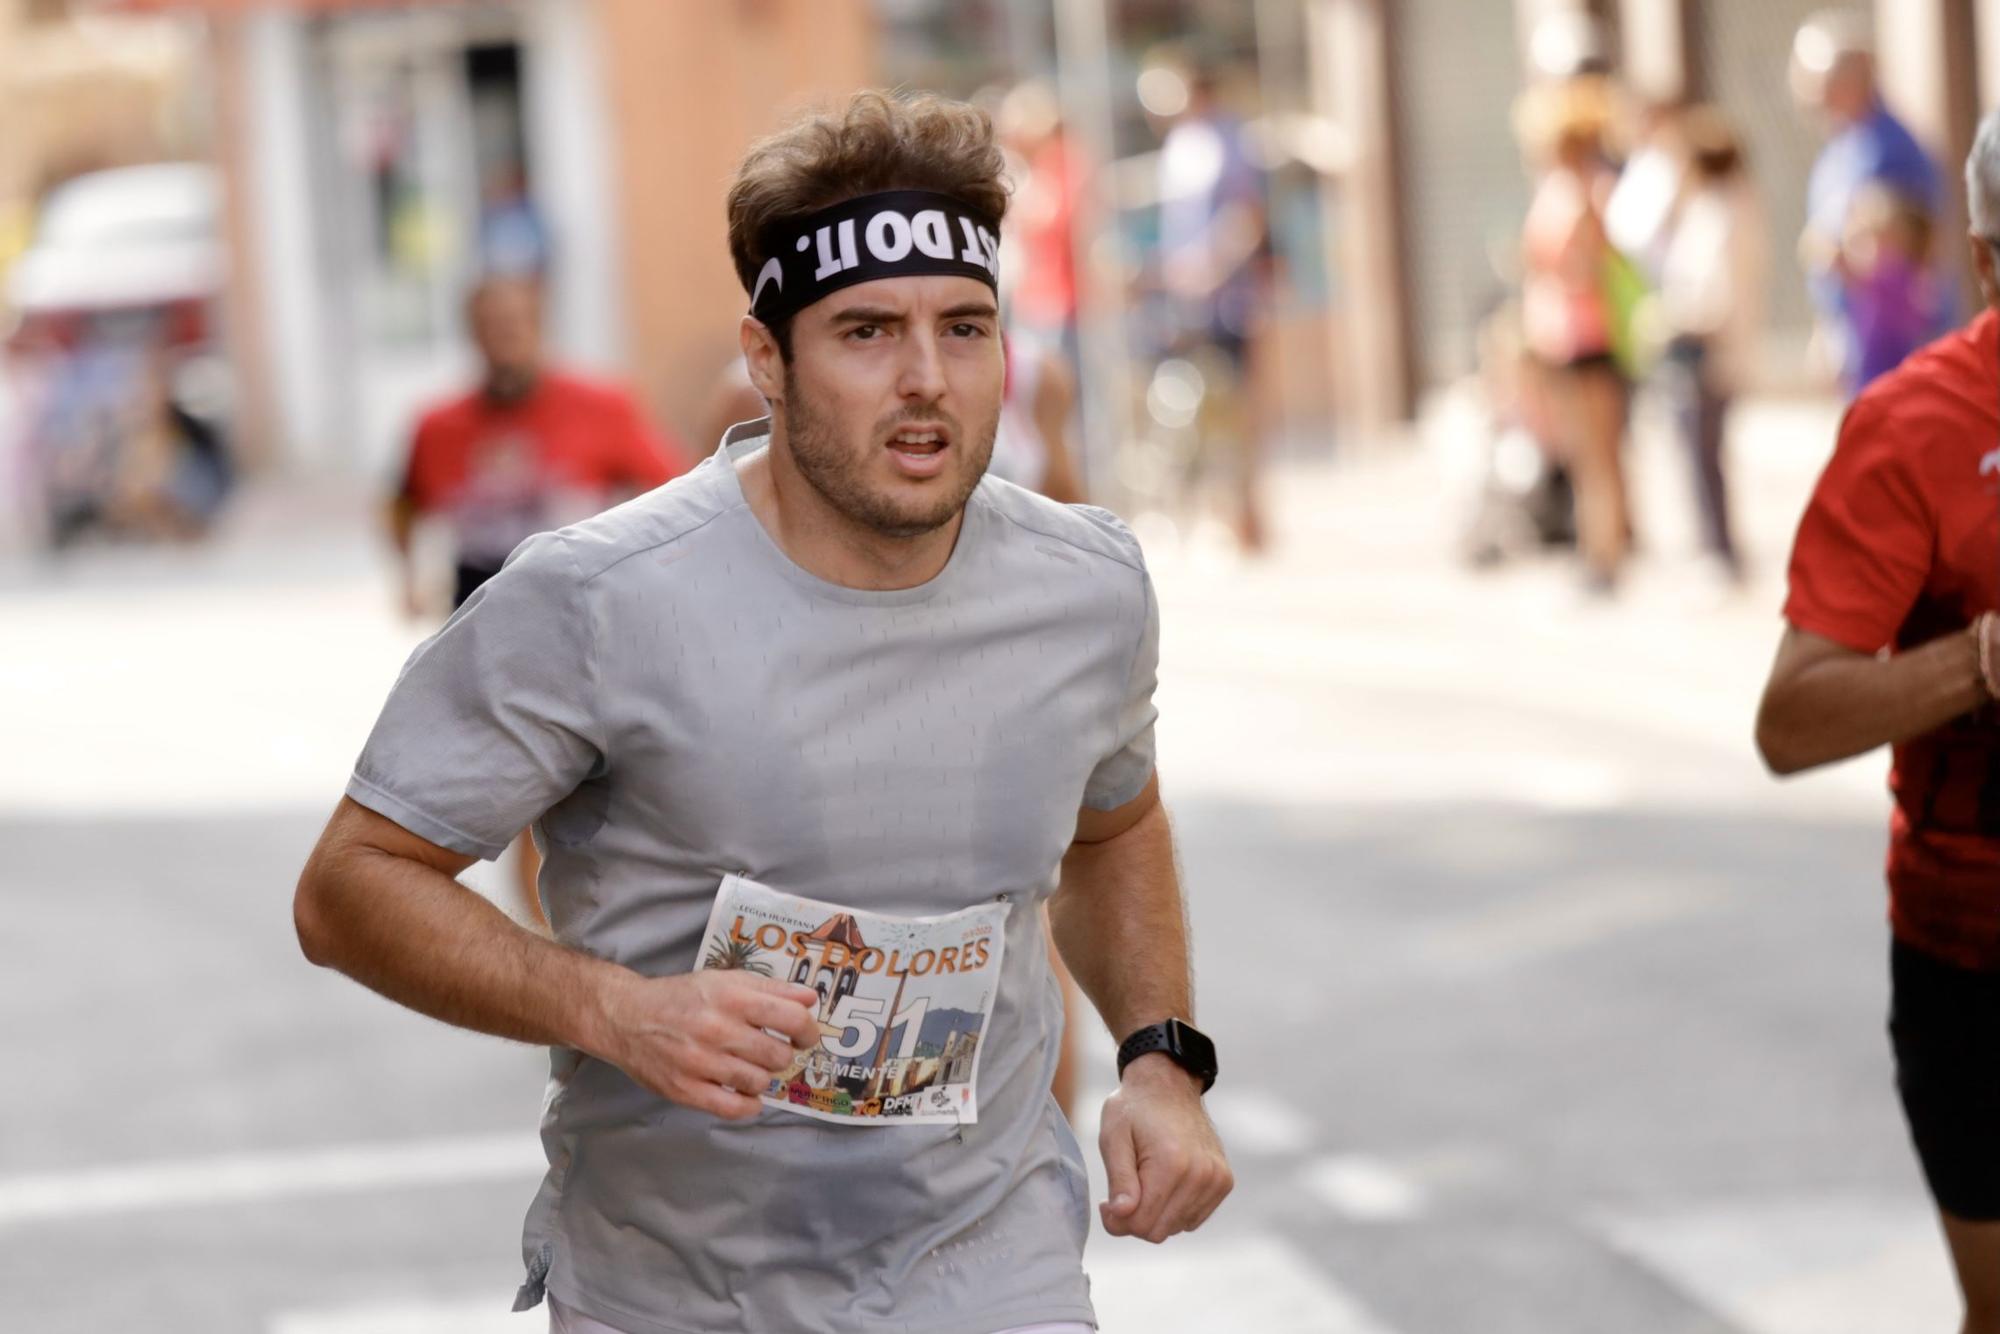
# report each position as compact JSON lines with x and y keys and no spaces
{"x":692,"y":83}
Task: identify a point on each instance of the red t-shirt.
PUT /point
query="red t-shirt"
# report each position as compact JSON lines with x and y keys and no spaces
{"x":501,"y":474}
{"x":1045,"y":219}
{"x":1901,"y":544}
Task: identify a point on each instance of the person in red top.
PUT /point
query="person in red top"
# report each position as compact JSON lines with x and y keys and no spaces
{"x":1046,"y":217}
{"x":530,"y":449}
{"x":1892,"y":639}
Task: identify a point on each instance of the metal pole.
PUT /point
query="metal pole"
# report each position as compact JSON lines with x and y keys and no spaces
{"x":1083,"y":84}
{"x":1020,"y":32}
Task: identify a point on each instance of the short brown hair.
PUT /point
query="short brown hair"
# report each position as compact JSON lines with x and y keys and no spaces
{"x":877,"y":141}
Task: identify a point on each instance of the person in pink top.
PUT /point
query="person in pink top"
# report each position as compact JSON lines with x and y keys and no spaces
{"x":1566,"y":313}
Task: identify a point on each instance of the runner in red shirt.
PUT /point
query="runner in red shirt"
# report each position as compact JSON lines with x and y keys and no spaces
{"x":529,"y":450}
{"x":1892,"y":639}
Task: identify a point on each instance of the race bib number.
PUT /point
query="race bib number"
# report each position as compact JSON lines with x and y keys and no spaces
{"x":904,"y":1002}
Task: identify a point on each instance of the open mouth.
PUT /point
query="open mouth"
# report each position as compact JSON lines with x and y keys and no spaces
{"x":919,"y":450}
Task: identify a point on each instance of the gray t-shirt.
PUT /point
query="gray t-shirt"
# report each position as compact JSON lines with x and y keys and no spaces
{"x":670,"y":699}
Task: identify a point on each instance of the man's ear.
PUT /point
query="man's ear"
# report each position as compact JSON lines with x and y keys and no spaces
{"x":1983,"y":274}
{"x":762,"y":358}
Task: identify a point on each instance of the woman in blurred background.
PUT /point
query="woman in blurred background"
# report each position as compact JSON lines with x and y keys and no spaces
{"x":1711,"y":309}
{"x":1567,"y":313}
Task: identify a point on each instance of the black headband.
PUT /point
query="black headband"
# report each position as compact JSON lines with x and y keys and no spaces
{"x":894,"y":234}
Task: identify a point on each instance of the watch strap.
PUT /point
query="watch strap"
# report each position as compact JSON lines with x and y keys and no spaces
{"x":1160,"y":1038}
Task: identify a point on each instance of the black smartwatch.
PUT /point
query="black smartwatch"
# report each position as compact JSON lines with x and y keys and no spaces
{"x":1187,"y":1046}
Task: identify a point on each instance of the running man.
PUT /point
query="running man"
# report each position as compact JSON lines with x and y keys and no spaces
{"x":1899,"y":550}
{"x":833,"y":672}
{"x":528,"y":449}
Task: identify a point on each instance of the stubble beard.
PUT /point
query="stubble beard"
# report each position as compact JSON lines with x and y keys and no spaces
{"x":821,"y":458}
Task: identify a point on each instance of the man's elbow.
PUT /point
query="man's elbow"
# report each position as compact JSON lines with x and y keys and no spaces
{"x":1779,"y":744}
{"x":1781,"y":761}
{"x":310,"y":918}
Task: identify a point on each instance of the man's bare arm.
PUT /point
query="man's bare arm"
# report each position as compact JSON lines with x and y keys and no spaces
{"x":401,"y":517}
{"x":376,"y":902}
{"x":1826,"y":702}
{"x":381,"y":904}
{"x":1118,"y":918}
{"x":1120,"y":924}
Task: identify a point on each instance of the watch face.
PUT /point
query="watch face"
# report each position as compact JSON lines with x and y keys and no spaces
{"x":1192,"y":1047}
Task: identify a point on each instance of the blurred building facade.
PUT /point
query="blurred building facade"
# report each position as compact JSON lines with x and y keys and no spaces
{"x":1465,"y":191}
{"x":82,"y":94}
{"x":378,"y":155}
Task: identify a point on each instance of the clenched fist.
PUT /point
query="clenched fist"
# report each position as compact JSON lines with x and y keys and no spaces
{"x":1166,"y":1167}
{"x":700,"y":1039}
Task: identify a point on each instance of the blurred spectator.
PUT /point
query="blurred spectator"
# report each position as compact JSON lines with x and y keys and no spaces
{"x":1213,"y":262}
{"x":513,"y":238}
{"x":115,"y":453}
{"x":1568,"y":316}
{"x":530,"y":449}
{"x":1031,"y":447}
{"x":1043,"y":220}
{"x":1711,"y":306}
{"x":1892,"y":295}
{"x":1833,"y":80}
{"x":122,"y":394}
{"x":1642,"y":203}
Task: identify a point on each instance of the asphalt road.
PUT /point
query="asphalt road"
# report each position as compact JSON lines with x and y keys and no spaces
{"x":1541,"y":1008}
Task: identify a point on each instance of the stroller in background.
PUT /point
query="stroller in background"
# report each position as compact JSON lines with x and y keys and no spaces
{"x":1523,"y":501}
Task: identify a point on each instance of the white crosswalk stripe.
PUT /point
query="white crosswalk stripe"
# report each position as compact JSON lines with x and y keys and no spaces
{"x":1363,"y":1189}
{"x":337,"y":1169}
{"x":1252,"y":1120}
{"x":1819,"y":1265}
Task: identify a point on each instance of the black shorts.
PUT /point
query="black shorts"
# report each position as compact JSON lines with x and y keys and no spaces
{"x":1588,"y":363}
{"x":1944,"y":1023}
{"x":470,"y":577}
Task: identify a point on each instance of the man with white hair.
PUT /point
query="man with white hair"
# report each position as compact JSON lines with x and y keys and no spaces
{"x":1867,"y":148}
{"x":1893,"y":639}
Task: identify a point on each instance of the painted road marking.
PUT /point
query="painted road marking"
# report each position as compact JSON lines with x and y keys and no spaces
{"x":1364,"y":1189}
{"x":1257,"y":1121}
{"x":247,"y":1177}
{"x":1820,"y":1265}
